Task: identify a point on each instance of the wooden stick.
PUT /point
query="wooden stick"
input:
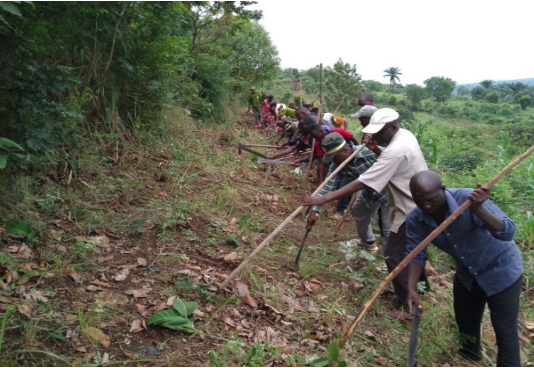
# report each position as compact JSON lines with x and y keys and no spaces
{"x":258,"y":145}
{"x":311,"y":155}
{"x":251,"y":256}
{"x":425,"y":242}
{"x":349,"y":208}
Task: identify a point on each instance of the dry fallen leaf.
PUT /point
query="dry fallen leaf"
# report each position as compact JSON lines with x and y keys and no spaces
{"x":24,"y":309}
{"x":241,"y":290}
{"x":137,"y":326}
{"x":121,"y":276}
{"x":141,"y":262}
{"x":250,"y":301}
{"x":74,"y":276}
{"x":142,"y":293}
{"x":95,"y":334}
{"x":22,"y":251}
{"x":230,"y":258}
{"x":370,"y":335}
{"x":381,"y":361}
{"x":228,"y":321}
{"x":140,"y":308}
{"x":528,"y":324}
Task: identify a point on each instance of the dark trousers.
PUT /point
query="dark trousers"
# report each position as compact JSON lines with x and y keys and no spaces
{"x":504,"y":306}
{"x":395,"y":252}
{"x":257,"y":115}
{"x":343,"y":203}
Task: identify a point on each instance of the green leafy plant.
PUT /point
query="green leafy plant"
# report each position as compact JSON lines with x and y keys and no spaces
{"x":5,"y":146}
{"x":20,"y":227}
{"x":332,"y":359}
{"x":176,"y":318}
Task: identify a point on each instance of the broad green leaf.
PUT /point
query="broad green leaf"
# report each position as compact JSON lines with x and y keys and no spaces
{"x":180,"y":307}
{"x":9,"y":143}
{"x":321,"y":362}
{"x":9,"y":7}
{"x":188,"y":327}
{"x":3,"y":161}
{"x":342,"y":364}
{"x":333,"y":351}
{"x":19,"y":227}
{"x":169,"y":316}
{"x":190,"y":306}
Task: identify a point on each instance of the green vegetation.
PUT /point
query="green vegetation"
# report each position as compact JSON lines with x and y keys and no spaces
{"x":121,"y":189}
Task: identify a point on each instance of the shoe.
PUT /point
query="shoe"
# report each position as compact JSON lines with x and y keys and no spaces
{"x":370,"y":247}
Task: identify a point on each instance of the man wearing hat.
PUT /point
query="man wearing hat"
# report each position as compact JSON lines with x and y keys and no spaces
{"x":254,"y":103}
{"x":395,"y":166}
{"x":337,"y":150}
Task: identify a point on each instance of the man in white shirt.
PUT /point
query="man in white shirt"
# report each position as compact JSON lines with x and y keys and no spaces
{"x":395,"y":166}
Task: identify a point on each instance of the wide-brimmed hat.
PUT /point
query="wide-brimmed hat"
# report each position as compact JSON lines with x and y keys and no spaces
{"x":331,"y":144}
{"x":380,"y":118}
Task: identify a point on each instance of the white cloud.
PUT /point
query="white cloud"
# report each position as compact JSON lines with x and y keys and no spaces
{"x":467,"y":41}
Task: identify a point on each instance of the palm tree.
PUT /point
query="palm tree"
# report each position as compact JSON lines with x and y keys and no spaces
{"x":393,"y":74}
{"x":516,"y":87}
{"x":487,"y":84}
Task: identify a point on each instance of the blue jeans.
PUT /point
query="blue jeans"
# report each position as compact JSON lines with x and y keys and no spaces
{"x":504,"y":306}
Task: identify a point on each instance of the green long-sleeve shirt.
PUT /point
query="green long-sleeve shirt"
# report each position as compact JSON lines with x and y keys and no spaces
{"x":254,"y":100}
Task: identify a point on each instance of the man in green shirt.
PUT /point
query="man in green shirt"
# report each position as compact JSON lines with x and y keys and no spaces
{"x":254,"y":103}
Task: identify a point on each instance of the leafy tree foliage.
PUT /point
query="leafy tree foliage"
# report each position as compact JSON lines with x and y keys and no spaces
{"x":491,"y":96}
{"x":478,"y":93}
{"x":440,"y":88}
{"x":524,"y":100}
{"x":487,"y":84}
{"x":463,"y":91}
{"x":342,"y":83}
{"x":415,"y":95}
{"x":69,"y":67}
{"x":393,"y":74}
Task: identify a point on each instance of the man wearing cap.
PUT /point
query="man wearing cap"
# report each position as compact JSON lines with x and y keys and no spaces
{"x":254,"y":103}
{"x":396,"y":164}
{"x":337,"y":150}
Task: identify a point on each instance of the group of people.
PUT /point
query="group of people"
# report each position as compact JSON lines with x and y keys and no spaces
{"x":391,"y":177}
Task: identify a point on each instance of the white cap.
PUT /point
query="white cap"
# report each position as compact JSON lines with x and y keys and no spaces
{"x":380,"y":118}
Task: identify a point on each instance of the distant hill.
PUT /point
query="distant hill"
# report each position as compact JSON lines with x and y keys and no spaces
{"x":527,"y":81}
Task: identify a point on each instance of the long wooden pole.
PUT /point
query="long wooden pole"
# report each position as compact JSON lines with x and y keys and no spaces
{"x":349,"y":208}
{"x":427,"y":241}
{"x":258,"y":145}
{"x":251,"y":256}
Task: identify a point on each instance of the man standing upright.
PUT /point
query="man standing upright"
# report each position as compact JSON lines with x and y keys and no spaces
{"x":254,"y":103}
{"x":396,"y":164}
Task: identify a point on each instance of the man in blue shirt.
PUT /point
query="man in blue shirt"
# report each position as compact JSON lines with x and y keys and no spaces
{"x":488,"y":263}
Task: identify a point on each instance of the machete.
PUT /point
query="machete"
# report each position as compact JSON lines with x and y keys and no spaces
{"x":275,"y":162}
{"x":296,"y":265}
{"x":240,"y":147}
{"x":413,"y":336}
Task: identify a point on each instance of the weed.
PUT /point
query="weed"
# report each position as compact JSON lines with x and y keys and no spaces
{"x":176,"y":318}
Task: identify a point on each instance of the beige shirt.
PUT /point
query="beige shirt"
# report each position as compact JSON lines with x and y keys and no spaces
{"x":393,"y":170}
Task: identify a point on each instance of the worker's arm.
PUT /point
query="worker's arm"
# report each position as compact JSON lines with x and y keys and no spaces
{"x":347,"y":190}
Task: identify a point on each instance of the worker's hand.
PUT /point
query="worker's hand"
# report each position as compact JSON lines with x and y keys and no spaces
{"x":312,"y":219}
{"x":281,"y":145}
{"x":411,"y":299}
{"x":313,"y":201}
{"x":370,"y":142}
{"x":295,"y":163}
{"x":479,"y":196}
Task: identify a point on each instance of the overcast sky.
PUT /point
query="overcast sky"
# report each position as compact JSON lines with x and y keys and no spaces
{"x":467,"y":41}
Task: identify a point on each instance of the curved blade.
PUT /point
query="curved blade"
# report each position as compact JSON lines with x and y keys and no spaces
{"x":296,"y":265}
{"x":414,"y":333}
{"x":243,"y":148}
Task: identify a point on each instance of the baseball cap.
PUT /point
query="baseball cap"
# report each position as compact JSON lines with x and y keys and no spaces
{"x":365,"y":112}
{"x":380,"y":118}
{"x":331,"y":144}
{"x":252,"y":87}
